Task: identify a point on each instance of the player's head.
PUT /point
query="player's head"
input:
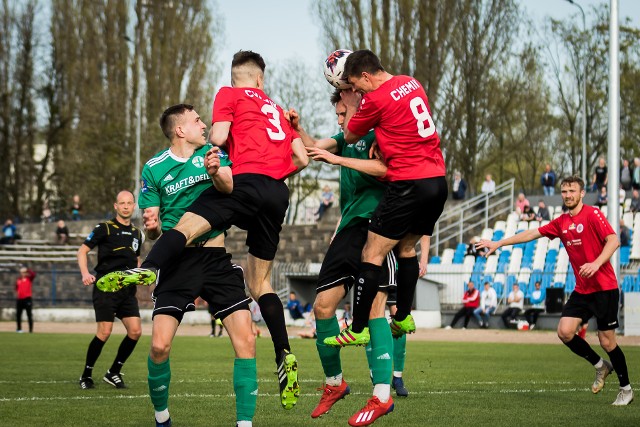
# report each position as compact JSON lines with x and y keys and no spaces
{"x":341,"y":109}
{"x":572,"y":190}
{"x":360,"y":67}
{"x":124,"y":205}
{"x":247,"y":69}
{"x":182,"y":122}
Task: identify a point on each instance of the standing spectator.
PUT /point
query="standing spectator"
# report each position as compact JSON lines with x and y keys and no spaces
{"x":470,"y":301}
{"x":62,"y":233}
{"x":24,"y":285}
{"x":635,"y":184}
{"x":603,"y":198}
{"x":488,"y":305}
{"x":489,"y":185}
{"x":543,"y":212}
{"x":295,"y":307}
{"x":521,"y":202}
{"x":625,"y":235}
{"x":459,"y":186}
{"x":9,"y":233}
{"x":537,"y":300}
{"x":635,"y":201}
{"x":76,"y":208}
{"x":347,"y":317}
{"x":626,"y":179}
{"x":600,"y":175}
{"x":326,"y":201}
{"x":515,"y":299}
{"x":548,"y":180}
{"x":46,"y":212}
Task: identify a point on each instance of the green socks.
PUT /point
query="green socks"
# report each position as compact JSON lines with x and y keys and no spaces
{"x":329,"y":356}
{"x":399,"y":352}
{"x":159,"y":379}
{"x":381,"y":349}
{"x":245,"y":385}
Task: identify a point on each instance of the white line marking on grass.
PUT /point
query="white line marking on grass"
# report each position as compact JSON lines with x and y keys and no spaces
{"x":228,"y":395}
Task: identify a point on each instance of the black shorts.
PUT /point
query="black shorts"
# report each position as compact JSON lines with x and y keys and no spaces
{"x":411,"y":206}
{"x":121,"y":304}
{"x":602,"y":305}
{"x":204,"y":272}
{"x":257,"y":204}
{"x":341,"y":264}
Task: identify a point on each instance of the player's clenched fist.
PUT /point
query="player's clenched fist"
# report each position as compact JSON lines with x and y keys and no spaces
{"x":212,"y":161}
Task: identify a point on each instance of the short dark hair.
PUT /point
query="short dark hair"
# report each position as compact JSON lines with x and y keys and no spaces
{"x":335,"y":97}
{"x":572,"y":179}
{"x":361,"y":61}
{"x":243,"y":57}
{"x":168,"y":118}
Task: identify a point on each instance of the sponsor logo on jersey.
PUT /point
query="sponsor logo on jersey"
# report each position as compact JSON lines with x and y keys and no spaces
{"x":198,"y":161}
{"x":185,"y":183}
{"x":168,"y":177}
{"x":572,"y":227}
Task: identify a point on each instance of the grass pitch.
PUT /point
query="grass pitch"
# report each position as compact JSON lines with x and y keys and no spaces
{"x":450,"y":384}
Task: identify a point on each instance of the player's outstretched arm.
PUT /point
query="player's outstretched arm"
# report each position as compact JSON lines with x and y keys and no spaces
{"x":373,"y":167}
{"x":525,"y":236}
{"x":300,"y":158}
{"x":219,"y":133}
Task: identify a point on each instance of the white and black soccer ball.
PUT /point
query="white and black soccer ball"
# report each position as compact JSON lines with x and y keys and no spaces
{"x":334,"y":69}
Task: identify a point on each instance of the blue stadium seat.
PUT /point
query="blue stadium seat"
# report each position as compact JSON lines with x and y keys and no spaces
{"x":435,"y":260}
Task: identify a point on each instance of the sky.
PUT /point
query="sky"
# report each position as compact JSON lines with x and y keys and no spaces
{"x":280,"y":30}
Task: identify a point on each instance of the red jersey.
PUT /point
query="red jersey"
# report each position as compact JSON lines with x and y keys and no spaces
{"x":583,"y":237}
{"x":260,"y":137}
{"x":399,"y":113}
{"x":471,"y":298}
{"x":23,"y":285}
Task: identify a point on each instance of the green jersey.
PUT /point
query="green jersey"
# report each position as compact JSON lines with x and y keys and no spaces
{"x":173,"y":183}
{"x":359,"y":192}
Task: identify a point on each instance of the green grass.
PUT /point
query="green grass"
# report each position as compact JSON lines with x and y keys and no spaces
{"x":450,"y":384}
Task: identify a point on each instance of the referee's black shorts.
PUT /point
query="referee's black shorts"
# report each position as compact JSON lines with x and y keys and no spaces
{"x":109,"y":305}
{"x":410,"y":207}
{"x":341,"y":264}
{"x":257,"y":204}
{"x":204,"y":272}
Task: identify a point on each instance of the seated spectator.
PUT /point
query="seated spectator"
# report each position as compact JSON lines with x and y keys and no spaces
{"x":602,"y":197}
{"x":527,"y":214}
{"x":62,"y":233}
{"x":9,"y":233}
{"x":472,"y":250}
{"x":537,"y":300}
{"x":470,"y":301}
{"x":625,"y":235}
{"x":326,"y":201}
{"x":543,"y":212}
{"x":295,"y":307}
{"x":488,"y":185}
{"x":488,"y":305}
{"x":635,"y":202}
{"x":459,"y":186}
{"x":521,"y":202}
{"x":515,"y":299}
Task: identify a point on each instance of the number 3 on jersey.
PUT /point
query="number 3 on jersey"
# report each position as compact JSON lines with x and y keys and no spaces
{"x":273,"y":115}
{"x":426,"y":127}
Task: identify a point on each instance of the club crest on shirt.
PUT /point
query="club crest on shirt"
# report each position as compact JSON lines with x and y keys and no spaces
{"x":198,"y":161}
{"x":361,"y":145}
{"x":580,"y":228}
{"x":135,"y":244}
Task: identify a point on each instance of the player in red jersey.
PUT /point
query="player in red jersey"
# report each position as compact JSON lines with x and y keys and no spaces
{"x":264,"y":150}
{"x":396,"y":108}
{"x":590,"y":242}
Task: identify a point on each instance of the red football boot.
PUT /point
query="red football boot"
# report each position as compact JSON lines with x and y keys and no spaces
{"x":330,"y":396}
{"x":373,"y":410}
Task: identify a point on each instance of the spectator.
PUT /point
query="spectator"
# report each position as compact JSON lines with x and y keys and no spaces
{"x":295,"y":307}
{"x":515,"y":299}
{"x":488,"y":305}
{"x":635,"y":201}
{"x":24,"y":286}
{"x":325,"y":202}
{"x":527,"y":214}
{"x":472,"y":250}
{"x":635,"y":184}
{"x":543,"y":212}
{"x":9,"y":233}
{"x":46,"y":212}
{"x":548,"y":180}
{"x":470,"y":301}
{"x":76,"y":208}
{"x":521,"y":202}
{"x":602,"y":198}
{"x":537,"y":300}
{"x":62,"y":233}
{"x":347,"y":317}
{"x":626,"y":179}
{"x":459,"y":187}
{"x":489,"y":185}
{"x":625,"y":235}
{"x":256,"y":317}
{"x":600,"y":175}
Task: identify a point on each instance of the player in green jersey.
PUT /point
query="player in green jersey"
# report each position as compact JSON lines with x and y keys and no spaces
{"x":171,"y":181}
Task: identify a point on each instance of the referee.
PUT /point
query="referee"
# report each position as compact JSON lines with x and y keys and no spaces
{"x":118,"y":243}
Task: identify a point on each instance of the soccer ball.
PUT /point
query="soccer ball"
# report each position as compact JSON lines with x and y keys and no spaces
{"x":334,"y":69}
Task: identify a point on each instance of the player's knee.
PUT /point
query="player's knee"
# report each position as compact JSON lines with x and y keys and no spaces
{"x":134,"y":333}
{"x":245,"y":345}
{"x":565,"y":334}
{"x":159,"y":351}
{"x":606,"y":342}
{"x":323,"y":310}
